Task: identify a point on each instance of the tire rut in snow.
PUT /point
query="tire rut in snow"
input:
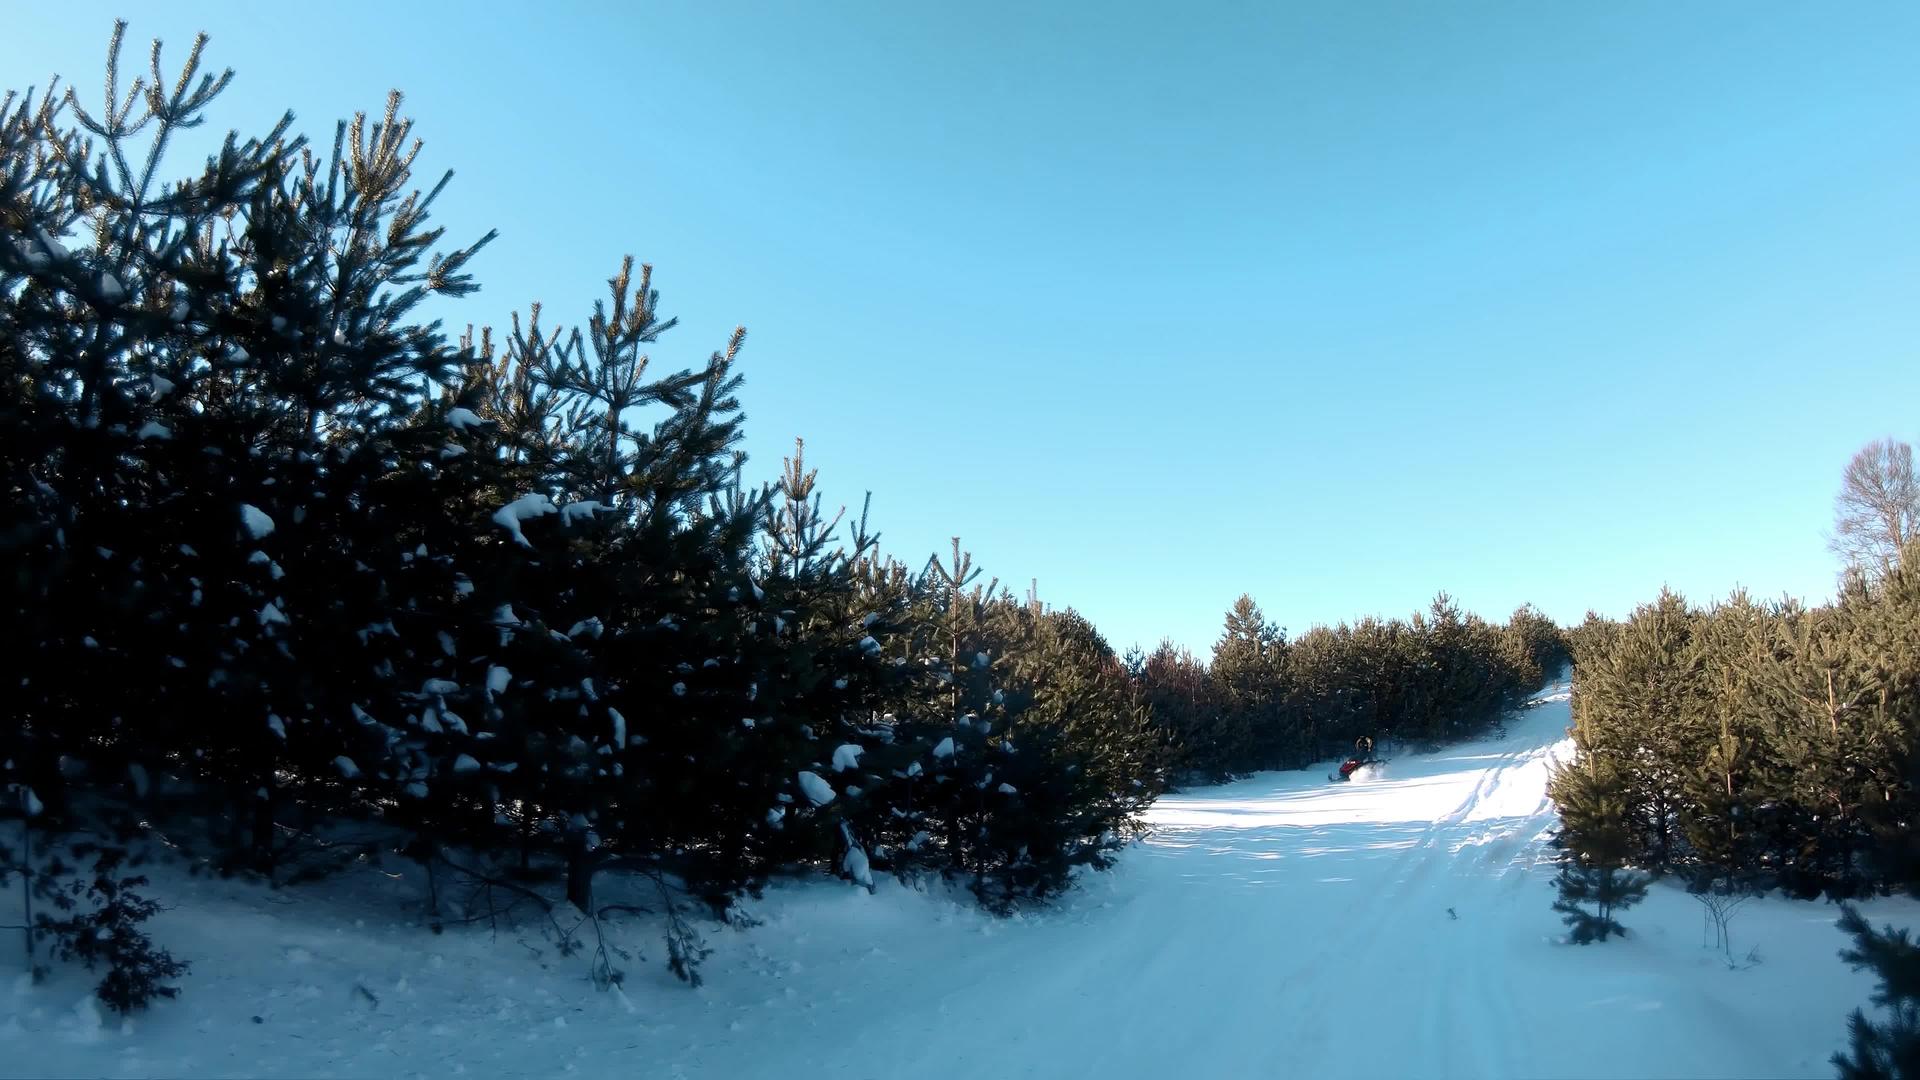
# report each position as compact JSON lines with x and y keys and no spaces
{"x":1436,"y":966}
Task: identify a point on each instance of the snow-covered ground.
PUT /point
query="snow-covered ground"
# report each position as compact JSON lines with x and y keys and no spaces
{"x":1282,"y":926}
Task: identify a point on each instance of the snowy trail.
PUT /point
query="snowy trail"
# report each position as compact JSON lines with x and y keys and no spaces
{"x":1279,"y":926}
{"x":1359,"y":878}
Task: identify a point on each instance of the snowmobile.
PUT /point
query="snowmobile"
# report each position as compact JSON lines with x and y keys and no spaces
{"x":1362,"y":755}
{"x":1348,"y":768}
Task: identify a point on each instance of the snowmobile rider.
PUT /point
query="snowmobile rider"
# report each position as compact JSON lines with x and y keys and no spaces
{"x":1362,"y":754}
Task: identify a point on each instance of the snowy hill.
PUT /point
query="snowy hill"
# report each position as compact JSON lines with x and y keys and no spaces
{"x":1395,"y":926}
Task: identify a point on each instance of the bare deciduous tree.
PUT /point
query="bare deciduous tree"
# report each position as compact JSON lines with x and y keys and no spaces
{"x":1720,"y":901}
{"x":1878,"y":509}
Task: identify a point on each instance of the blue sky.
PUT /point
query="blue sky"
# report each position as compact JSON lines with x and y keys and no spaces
{"x":1337,"y":304}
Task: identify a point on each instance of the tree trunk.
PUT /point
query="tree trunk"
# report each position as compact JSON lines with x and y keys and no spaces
{"x":263,"y":858}
{"x":580,"y":868}
{"x":26,"y":890}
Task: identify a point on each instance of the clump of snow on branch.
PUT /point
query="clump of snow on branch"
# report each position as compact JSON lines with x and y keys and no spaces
{"x":524,"y":508}
{"x":583,"y":508}
{"x":815,"y":788}
{"x":255,"y":521}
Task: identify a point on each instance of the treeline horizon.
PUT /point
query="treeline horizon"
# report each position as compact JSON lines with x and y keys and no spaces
{"x":1744,"y":747}
{"x":1767,"y":744}
{"x":1763,"y":745}
{"x":1263,"y":700}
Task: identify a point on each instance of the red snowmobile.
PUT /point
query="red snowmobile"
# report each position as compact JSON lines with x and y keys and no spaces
{"x":1362,"y":755}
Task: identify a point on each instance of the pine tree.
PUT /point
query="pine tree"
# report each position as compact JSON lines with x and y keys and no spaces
{"x":1890,"y":1049}
{"x":99,"y":925}
{"x":1328,"y":689}
{"x":1888,"y":635}
{"x":1245,"y":669}
{"x":959,"y":729}
{"x":1642,"y":707}
{"x":1081,"y":694}
{"x":1179,"y":695}
{"x":1543,"y":642}
{"x":1588,"y":642}
{"x":1719,"y":808}
{"x":1595,"y":842}
{"x":226,"y":357}
{"x":1831,"y":726}
{"x":611,"y":577}
{"x":825,"y":666}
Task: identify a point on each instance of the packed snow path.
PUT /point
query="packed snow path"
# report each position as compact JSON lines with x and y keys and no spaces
{"x":1280,"y":926}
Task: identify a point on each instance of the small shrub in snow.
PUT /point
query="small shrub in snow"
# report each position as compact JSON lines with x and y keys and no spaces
{"x":1720,"y":901}
{"x":1594,"y":881}
{"x":109,"y":935}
